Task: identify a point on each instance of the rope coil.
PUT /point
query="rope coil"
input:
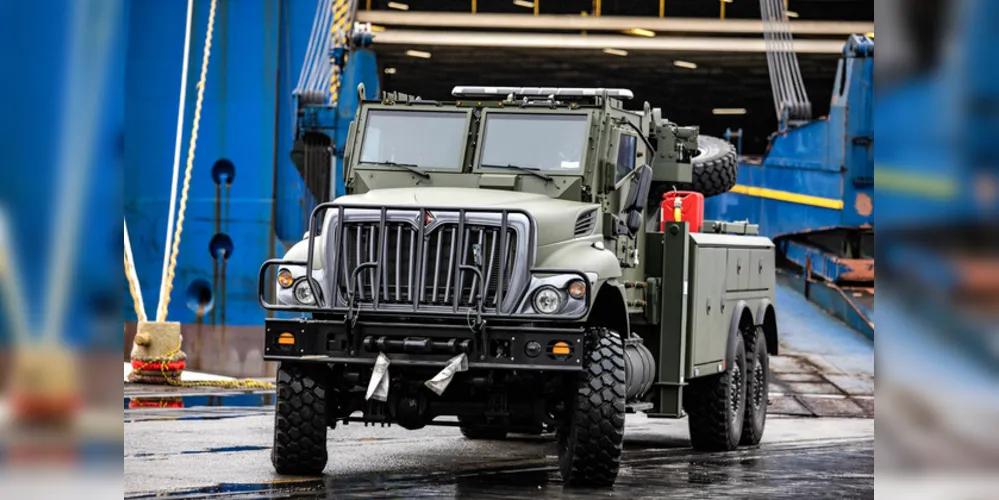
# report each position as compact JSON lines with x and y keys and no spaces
{"x":170,"y":372}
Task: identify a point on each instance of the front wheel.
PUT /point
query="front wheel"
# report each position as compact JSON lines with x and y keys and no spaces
{"x":299,"y":422}
{"x":591,"y":439}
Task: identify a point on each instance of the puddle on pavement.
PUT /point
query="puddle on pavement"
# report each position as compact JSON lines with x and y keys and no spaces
{"x":838,"y":470}
{"x":234,"y":400}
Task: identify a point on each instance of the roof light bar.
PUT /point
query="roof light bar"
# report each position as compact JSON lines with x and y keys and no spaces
{"x":465,"y":91}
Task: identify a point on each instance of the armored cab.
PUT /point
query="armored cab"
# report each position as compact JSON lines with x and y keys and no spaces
{"x":504,"y":258}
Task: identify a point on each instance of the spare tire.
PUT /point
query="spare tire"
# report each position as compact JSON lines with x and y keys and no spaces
{"x":714,"y":167}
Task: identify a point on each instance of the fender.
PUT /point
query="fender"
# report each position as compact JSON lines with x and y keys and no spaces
{"x":583,"y":257}
{"x":740,"y":308}
{"x":610,"y":293}
{"x":766,"y":316}
{"x":300,"y":251}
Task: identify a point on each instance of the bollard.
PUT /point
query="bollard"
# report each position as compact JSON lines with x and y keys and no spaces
{"x":156,"y":355}
{"x":44,"y":386}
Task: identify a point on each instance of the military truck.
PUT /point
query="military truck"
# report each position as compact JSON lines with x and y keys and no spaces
{"x":503,"y":258}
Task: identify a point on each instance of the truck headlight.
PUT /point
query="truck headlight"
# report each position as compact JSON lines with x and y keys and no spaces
{"x":547,"y":300}
{"x":303,"y":292}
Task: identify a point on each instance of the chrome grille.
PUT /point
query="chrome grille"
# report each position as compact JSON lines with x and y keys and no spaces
{"x":433,"y":279}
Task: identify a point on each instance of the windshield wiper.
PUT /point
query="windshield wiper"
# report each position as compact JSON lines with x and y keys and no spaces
{"x":412,"y":167}
{"x":533,"y":171}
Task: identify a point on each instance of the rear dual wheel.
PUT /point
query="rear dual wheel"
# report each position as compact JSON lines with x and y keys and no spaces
{"x":730,"y":409}
{"x":757,"y":388}
{"x":716,"y":404}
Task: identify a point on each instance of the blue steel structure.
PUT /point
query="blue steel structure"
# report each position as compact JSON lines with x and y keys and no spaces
{"x":937,"y":174}
{"x":333,"y":120}
{"x":813,"y":193}
{"x":246,"y":196}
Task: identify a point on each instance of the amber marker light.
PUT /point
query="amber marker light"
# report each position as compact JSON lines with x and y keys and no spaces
{"x":284,"y":278}
{"x":560,"y":348}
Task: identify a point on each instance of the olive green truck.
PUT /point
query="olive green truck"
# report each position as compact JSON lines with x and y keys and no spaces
{"x":502,"y":263}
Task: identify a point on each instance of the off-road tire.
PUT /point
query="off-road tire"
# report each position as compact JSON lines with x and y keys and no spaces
{"x":590,"y":440}
{"x":714,"y":168}
{"x":299,"y":422}
{"x":757,"y":387}
{"x":716,"y":405}
{"x":475,"y":428}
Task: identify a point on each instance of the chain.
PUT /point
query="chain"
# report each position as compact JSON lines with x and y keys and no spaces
{"x":161,"y":314}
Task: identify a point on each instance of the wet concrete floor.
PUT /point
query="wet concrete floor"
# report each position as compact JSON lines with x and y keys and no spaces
{"x":194,"y":453}
{"x":819,"y":442}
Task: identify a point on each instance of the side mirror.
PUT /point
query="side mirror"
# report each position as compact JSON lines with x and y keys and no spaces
{"x":638,"y":194}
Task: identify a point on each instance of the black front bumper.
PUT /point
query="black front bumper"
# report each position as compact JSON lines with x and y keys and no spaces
{"x":430,"y":344}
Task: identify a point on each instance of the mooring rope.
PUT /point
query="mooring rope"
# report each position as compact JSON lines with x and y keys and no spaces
{"x":176,"y":152}
{"x":161,"y":313}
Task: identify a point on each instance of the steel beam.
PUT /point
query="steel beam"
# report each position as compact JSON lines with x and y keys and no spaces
{"x":594,"y":42}
{"x":603,"y":23}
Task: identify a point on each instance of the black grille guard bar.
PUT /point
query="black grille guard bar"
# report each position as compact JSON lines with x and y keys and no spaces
{"x":384,"y":210}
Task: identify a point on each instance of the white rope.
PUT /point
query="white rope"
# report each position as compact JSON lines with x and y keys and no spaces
{"x":12,"y":285}
{"x":785,"y":74}
{"x":310,"y":49}
{"x":176,"y":153}
{"x":320,"y":60}
{"x":92,"y":31}
{"x":133,"y":278}
{"x":316,"y":67}
{"x":161,"y":311}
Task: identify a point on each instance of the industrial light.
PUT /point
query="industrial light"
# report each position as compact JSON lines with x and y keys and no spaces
{"x":728,"y":111}
{"x":685,"y":64}
{"x":389,"y":71}
{"x":418,"y":53}
{"x":728,"y":1}
{"x":640,"y":32}
{"x":524,"y":3}
{"x":792,"y":14}
{"x":870,"y":34}
{"x":377,"y":28}
{"x":398,"y":6}
{"x":616,"y":52}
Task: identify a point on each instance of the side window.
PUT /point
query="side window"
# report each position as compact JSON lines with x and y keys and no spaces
{"x":625,"y":155}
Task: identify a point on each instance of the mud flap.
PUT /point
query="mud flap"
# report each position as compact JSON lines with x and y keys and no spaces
{"x":379,"y":385}
{"x":440,"y":381}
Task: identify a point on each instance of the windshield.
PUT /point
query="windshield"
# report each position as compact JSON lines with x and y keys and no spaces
{"x":552,"y":142}
{"x":430,"y":139}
